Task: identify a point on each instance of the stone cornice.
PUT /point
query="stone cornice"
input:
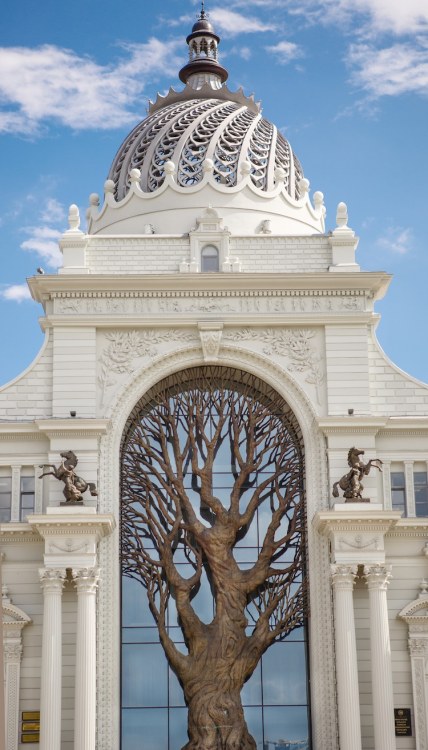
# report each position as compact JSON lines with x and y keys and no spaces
{"x":18,"y":532}
{"x":98,"y":524}
{"x":42,"y":287}
{"x":328,"y":521}
{"x":72,"y":427}
{"x":364,"y":425}
{"x":155,"y":321}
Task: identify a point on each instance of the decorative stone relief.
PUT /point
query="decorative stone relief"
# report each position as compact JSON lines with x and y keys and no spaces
{"x":210,"y":334}
{"x":235,"y":301}
{"x":117,"y":358}
{"x":296,"y":345}
{"x":359,"y":542}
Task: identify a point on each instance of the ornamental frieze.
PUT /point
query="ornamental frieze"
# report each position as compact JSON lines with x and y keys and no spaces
{"x":234,"y":302}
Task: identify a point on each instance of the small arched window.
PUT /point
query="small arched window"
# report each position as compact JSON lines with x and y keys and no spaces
{"x":210,"y":259}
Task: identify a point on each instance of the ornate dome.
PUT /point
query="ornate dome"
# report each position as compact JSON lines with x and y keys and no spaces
{"x":193,"y":129}
{"x":205,"y":147}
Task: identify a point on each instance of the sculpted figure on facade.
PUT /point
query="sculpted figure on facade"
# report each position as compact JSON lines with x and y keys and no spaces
{"x":350,"y":483}
{"x":74,"y":486}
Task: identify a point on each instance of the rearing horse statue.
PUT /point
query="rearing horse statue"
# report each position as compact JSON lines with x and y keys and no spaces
{"x":75,"y":486}
{"x":351,"y":482}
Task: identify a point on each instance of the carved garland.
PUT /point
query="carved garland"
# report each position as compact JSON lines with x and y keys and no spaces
{"x":125,"y":346}
{"x":297,"y":345}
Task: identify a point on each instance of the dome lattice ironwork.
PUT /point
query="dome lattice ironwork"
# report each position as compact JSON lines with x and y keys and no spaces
{"x":189,"y":132}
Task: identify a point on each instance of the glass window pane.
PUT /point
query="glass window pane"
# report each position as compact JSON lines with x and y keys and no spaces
{"x":5,"y":484}
{"x":202,"y":602}
{"x":176,"y":695}
{"x":421,"y":493}
{"x":209,"y":259}
{"x":135,"y":607}
{"x":285,"y":724}
{"x":254,"y":719}
{"x":284,"y":674}
{"x":4,"y":515}
{"x":27,"y":484}
{"x":397,"y":479}
{"x":140,"y":635}
{"x":150,"y":724}
{"x":144,"y":675}
{"x":251,"y":693}
{"x":178,"y":736}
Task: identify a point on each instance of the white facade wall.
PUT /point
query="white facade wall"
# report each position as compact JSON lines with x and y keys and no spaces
{"x":294,"y":311}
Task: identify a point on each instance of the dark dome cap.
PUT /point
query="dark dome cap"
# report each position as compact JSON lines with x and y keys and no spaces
{"x":202,"y":24}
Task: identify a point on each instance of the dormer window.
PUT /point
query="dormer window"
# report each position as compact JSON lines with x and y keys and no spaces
{"x":210,"y":261}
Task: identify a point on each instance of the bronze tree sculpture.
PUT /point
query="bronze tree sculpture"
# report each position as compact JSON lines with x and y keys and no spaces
{"x":173,"y":440}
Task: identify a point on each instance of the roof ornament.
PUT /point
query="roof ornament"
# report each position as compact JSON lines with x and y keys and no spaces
{"x":203,"y":66}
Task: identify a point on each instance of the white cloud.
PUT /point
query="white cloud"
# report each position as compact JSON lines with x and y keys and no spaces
{"x":395,"y":16}
{"x":44,"y":241}
{"x":16,"y":293}
{"x":285,"y":51}
{"x":50,"y":83}
{"x":231,"y":23}
{"x":54,"y":212}
{"x":245,"y":53}
{"x":396,"y":240}
{"x":390,"y":71}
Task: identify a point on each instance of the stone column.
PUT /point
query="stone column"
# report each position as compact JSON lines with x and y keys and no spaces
{"x":52,"y":581}
{"x":378,"y":577}
{"x":343,"y":578}
{"x":86,"y":580}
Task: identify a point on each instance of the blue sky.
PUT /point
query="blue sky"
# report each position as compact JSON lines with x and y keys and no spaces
{"x":345,"y":80}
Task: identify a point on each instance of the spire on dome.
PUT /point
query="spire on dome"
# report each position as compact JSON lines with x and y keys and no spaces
{"x":203,"y":66}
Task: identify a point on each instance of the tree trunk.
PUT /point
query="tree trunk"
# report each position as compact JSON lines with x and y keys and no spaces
{"x":216,"y":718}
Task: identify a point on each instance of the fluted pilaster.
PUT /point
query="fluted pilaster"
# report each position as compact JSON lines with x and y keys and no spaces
{"x":378,"y":577}
{"x":52,"y":582}
{"x":86,"y":580}
{"x":343,"y":579}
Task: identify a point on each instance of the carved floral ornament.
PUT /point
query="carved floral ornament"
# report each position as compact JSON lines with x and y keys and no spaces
{"x":123,"y":349}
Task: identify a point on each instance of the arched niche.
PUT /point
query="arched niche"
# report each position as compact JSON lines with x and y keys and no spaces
{"x":14,"y":621}
{"x":321,"y":652}
{"x":415,"y":615}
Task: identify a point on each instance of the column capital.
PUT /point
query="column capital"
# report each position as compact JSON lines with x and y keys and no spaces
{"x":52,"y":579}
{"x":343,"y":576}
{"x":377,"y":576}
{"x":418,"y":646}
{"x":86,"y":579}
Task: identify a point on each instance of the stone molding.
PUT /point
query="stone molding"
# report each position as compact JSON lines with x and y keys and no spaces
{"x":356,"y":536}
{"x":321,"y":636}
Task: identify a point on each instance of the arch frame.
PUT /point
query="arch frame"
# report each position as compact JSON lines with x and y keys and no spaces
{"x":321,"y":643}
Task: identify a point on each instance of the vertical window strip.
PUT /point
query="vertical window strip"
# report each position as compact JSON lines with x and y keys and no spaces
{"x":398,"y":491}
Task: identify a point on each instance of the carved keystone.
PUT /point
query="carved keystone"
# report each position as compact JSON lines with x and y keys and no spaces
{"x":210,"y":334}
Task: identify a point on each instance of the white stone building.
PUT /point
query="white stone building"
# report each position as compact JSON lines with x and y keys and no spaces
{"x":208,"y":249}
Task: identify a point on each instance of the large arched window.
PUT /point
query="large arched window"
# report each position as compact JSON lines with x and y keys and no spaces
{"x":213,"y":578}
